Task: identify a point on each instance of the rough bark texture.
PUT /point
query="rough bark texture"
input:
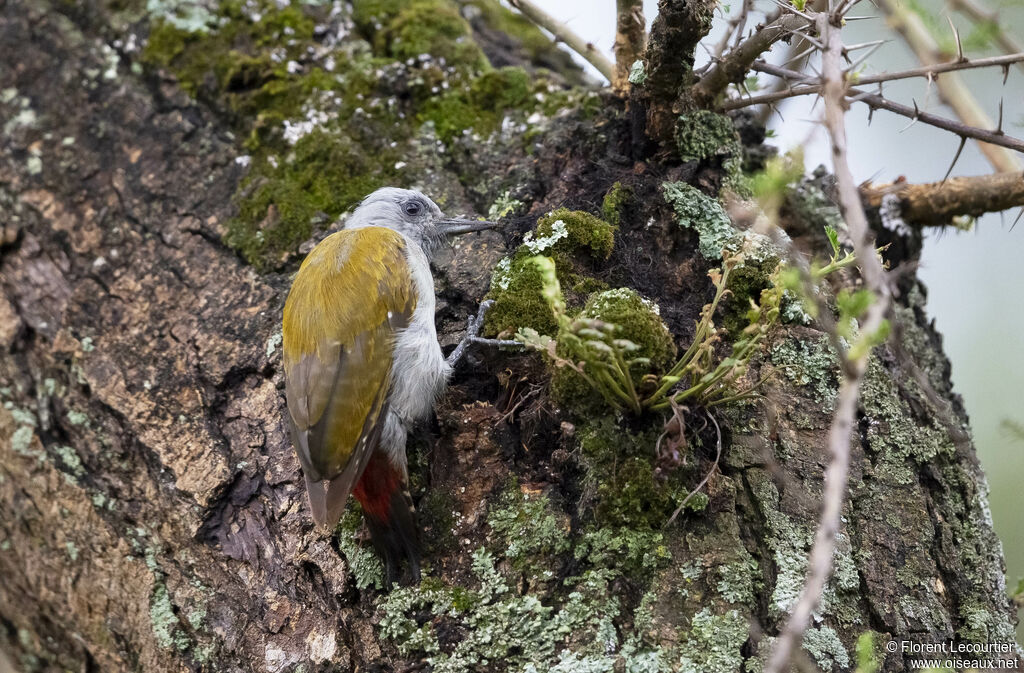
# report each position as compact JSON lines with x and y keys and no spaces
{"x":151,"y":509}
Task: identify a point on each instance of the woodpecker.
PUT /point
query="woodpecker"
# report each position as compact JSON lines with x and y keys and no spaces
{"x":362,"y":363}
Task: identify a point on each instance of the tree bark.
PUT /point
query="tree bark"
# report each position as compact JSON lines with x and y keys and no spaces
{"x":152,"y":513}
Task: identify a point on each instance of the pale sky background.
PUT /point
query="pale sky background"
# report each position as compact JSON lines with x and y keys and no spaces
{"x":975,"y":279}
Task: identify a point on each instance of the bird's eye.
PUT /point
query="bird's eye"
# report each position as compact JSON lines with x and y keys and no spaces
{"x":412,"y":208}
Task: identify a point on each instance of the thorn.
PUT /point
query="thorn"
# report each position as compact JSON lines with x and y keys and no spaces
{"x":999,"y":126}
{"x":963,"y":141}
{"x":864,"y":45}
{"x":800,"y":55}
{"x":859,"y":18}
{"x":1017,"y":219}
{"x":913,"y":120}
{"x":959,"y":47}
{"x":872,"y":50}
{"x":1006,"y":72}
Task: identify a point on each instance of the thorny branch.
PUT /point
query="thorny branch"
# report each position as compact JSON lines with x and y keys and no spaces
{"x":980,"y":14}
{"x":924,"y":71}
{"x":734,"y":65}
{"x":854,"y":361}
{"x":562,"y":33}
{"x":954,"y":92}
{"x":879,"y":102}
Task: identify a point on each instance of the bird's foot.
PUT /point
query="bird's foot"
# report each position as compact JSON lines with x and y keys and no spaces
{"x":473,"y":335}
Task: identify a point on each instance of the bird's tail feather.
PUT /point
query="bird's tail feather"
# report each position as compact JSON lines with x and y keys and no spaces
{"x":391,"y":517}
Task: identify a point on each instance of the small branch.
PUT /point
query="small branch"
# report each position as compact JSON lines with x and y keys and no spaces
{"x":980,"y":14}
{"x":878,"y":102}
{"x":733,"y":30}
{"x":952,"y":88}
{"x":855,"y":361}
{"x":936,"y":203}
{"x":734,"y":66}
{"x":562,"y":33}
{"x":923,"y":71}
{"x":707,"y":477}
{"x":630,"y":41}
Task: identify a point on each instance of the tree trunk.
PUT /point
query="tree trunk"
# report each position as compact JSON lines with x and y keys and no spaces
{"x":152,"y":513}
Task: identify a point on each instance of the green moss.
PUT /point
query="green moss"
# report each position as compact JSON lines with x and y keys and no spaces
{"x":614,"y":201}
{"x":575,"y":240}
{"x":624,"y":489}
{"x":369,"y":14}
{"x":436,"y":516}
{"x":638,"y":321}
{"x":567,"y":231}
{"x":481,"y":106}
{"x":431,"y":27}
{"x":325,"y":174}
{"x":695,"y":210}
{"x":518,"y":303}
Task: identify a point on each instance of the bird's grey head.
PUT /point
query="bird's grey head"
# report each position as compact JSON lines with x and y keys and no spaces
{"x":411,"y":214}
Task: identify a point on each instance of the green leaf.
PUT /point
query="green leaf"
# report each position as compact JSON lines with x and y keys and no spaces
{"x":833,"y":238}
{"x":853,"y":304}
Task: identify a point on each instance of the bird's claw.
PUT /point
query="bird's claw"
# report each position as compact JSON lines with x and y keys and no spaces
{"x":473,"y":325}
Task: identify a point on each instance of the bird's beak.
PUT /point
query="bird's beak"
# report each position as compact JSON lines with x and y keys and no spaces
{"x":457,"y":225}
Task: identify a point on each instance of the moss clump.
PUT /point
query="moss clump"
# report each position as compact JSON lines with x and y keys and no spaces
{"x":325,"y":126}
{"x":638,"y":321}
{"x":574,"y":240}
{"x":323,"y":175}
{"x":431,"y":27}
{"x":622,"y":486}
{"x":371,"y":14}
{"x":518,"y":303}
{"x":481,"y":106}
{"x":572,"y":230}
{"x":711,"y":139}
{"x":695,"y":210}
{"x":614,"y":201}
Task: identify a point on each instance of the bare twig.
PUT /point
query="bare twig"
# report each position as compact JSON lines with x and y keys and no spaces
{"x":562,"y":33}
{"x":855,"y":361}
{"x":630,"y":40}
{"x":876,"y":101}
{"x":707,"y":477}
{"x":923,"y":71}
{"x":734,"y":30}
{"x":936,"y":203}
{"x":734,"y":65}
{"x":952,"y":88}
{"x":981,"y":14}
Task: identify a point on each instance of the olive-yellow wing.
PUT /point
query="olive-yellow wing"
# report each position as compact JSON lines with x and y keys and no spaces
{"x":351,"y":294}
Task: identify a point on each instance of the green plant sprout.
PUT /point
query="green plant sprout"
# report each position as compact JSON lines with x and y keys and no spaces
{"x":609,"y":364}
